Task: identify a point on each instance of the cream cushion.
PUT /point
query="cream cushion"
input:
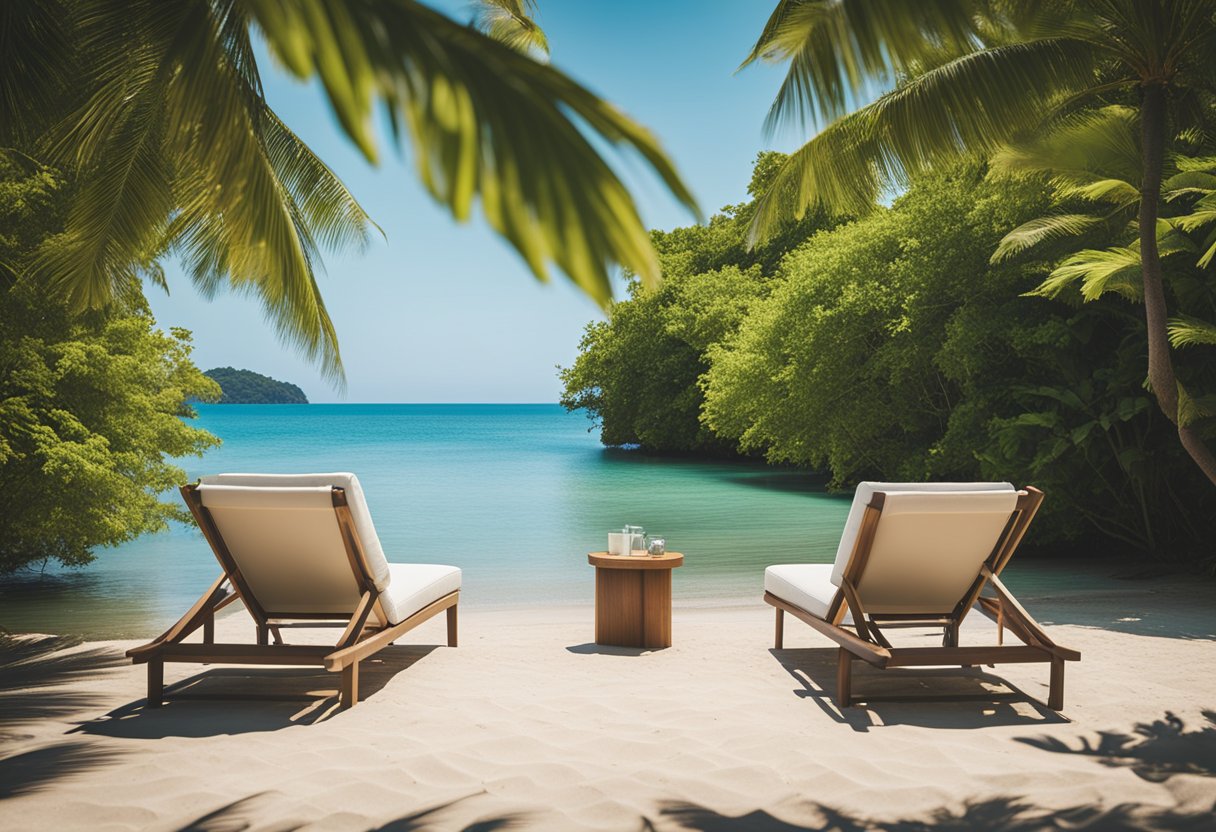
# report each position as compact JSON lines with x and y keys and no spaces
{"x":861,"y":499}
{"x":930,"y":542}
{"x":929,"y":547}
{"x":284,"y":536}
{"x":805,"y":585}
{"x":415,"y":585}
{"x":373,"y":553}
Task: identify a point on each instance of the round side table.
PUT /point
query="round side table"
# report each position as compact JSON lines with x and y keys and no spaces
{"x":633,"y":599}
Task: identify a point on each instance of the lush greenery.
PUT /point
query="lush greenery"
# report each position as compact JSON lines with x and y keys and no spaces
{"x":158,"y":109}
{"x":248,"y":387}
{"x":974,"y":76}
{"x":91,"y":405}
{"x":891,"y":348}
{"x":640,"y":375}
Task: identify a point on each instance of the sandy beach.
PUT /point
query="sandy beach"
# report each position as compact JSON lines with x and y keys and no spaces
{"x":529,"y":725}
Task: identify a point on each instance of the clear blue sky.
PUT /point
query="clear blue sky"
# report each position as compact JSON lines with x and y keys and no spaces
{"x":445,"y":312}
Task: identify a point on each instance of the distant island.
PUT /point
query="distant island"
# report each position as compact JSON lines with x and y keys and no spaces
{"x":248,"y":387}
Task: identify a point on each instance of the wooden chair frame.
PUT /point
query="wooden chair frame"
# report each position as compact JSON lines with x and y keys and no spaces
{"x":358,"y":641}
{"x":868,"y":641}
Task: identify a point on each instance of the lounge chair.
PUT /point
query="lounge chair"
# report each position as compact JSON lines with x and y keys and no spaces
{"x":299,"y":551}
{"x":919,"y":555}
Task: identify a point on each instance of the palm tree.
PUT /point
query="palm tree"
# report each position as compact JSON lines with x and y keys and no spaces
{"x":157,"y":111}
{"x":968,"y":77}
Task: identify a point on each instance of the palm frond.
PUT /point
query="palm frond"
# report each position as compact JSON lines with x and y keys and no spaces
{"x":1092,"y":154}
{"x":970,"y":106}
{"x":1185,"y":331}
{"x":510,"y":22}
{"x":486,"y":123}
{"x":1099,"y":271}
{"x":1114,"y":269}
{"x":842,"y":52}
{"x":1032,"y":234}
{"x":35,"y":57}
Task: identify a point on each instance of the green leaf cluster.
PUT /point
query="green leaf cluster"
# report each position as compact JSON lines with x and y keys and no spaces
{"x":639,"y":374}
{"x":93,"y":408}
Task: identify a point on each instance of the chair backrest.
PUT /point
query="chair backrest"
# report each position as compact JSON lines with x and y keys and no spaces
{"x":928,"y":549}
{"x":865,"y":492}
{"x":283,"y":534}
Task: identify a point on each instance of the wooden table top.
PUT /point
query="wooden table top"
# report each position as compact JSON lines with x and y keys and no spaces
{"x":603,"y":560}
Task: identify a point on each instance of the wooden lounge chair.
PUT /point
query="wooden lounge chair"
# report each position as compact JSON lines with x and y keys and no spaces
{"x":299,"y":551}
{"x":919,"y":555}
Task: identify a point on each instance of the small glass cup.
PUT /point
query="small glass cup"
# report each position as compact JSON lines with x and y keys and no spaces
{"x":637,"y":541}
{"x":656,"y":547}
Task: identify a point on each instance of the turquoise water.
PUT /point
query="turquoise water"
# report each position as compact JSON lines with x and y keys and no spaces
{"x":515,"y":495}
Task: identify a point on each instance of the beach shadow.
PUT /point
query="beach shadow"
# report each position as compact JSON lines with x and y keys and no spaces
{"x":954,"y":698}
{"x":999,"y":814}
{"x":593,"y":649}
{"x":242,"y":700}
{"x":248,"y":813}
{"x":40,"y":769}
{"x":1154,"y":751}
{"x":40,"y":679}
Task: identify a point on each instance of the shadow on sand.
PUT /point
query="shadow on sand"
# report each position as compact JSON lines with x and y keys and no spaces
{"x":271,"y":699}
{"x":999,"y":814}
{"x":247,"y":814}
{"x":929,"y":697}
{"x":40,"y":769}
{"x":36,"y":677}
{"x":1155,"y":751}
{"x":591,"y":648}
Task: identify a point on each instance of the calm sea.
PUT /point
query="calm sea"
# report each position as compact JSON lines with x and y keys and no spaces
{"x":515,"y":495}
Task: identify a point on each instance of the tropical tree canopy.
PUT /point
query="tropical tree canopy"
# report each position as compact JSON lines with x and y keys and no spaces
{"x":966,"y":78}
{"x":158,"y":111}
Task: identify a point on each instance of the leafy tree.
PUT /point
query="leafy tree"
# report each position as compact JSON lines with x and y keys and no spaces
{"x":976,"y":75}
{"x":893,"y":349}
{"x":158,"y":110}
{"x":91,"y":405}
{"x":638,"y":374}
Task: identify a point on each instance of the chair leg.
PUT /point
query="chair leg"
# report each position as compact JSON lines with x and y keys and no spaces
{"x":844,"y":678}
{"x":209,"y":629}
{"x":263,"y":635}
{"x":779,"y":635}
{"x":1055,"y":693}
{"x":156,"y":683}
{"x":452,"y":626}
{"x":349,"y":695}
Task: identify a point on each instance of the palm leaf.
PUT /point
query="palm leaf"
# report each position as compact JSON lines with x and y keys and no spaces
{"x":842,"y":52}
{"x":1038,"y":231}
{"x":35,"y":58}
{"x":510,"y":22}
{"x":1099,"y":271}
{"x":1094,"y":155}
{"x":486,"y":123}
{"x":969,"y":106}
{"x":1185,"y":331}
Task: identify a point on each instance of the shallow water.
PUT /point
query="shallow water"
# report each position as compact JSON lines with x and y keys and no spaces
{"x":515,"y":495}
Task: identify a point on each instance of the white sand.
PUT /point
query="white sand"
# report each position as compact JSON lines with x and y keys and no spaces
{"x":526,"y":725}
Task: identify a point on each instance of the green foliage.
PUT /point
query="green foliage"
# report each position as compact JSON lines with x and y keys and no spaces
{"x":895,"y":350}
{"x":248,"y":387}
{"x":91,"y":406}
{"x":638,"y":374}
{"x":840,"y":369}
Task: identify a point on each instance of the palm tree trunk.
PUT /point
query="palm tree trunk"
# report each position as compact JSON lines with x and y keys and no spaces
{"x":1160,"y":365}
